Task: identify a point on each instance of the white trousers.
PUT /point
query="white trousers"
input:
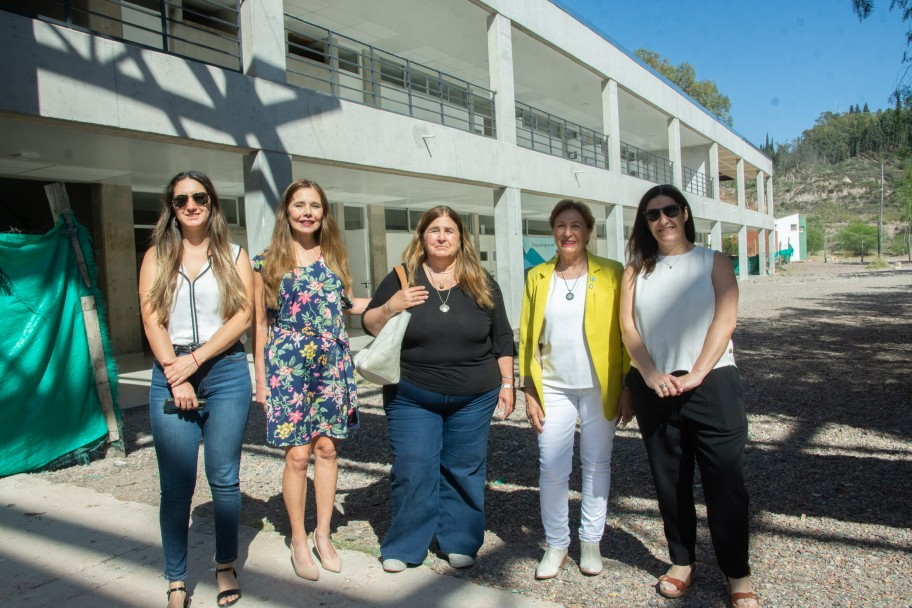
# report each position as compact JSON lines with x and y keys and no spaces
{"x":555,"y":448}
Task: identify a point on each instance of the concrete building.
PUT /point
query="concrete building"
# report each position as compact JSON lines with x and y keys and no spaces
{"x":494,"y":107}
{"x":790,"y":232}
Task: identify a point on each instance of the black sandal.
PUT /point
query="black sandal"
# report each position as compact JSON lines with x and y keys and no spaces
{"x":227,"y":592}
{"x":182,"y":589}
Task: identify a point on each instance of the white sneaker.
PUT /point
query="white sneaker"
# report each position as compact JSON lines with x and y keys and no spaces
{"x":393,"y":565}
{"x":458,"y":560}
{"x":553,"y":560}
{"x":590,"y":559}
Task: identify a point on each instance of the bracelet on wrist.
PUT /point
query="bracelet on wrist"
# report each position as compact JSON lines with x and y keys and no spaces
{"x":194,"y":360}
{"x":506,"y":386}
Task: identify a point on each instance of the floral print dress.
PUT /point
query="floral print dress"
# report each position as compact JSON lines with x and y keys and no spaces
{"x":310,"y":378}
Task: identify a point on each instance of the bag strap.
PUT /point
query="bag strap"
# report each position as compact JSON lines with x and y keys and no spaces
{"x":400,"y":270}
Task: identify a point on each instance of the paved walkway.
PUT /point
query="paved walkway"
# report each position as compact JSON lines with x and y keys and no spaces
{"x":72,"y":547}
{"x":67,"y":546}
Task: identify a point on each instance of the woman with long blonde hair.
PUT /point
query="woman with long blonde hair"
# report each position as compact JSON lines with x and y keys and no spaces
{"x":304,"y":375}
{"x":456,"y":367}
{"x":195,"y":290}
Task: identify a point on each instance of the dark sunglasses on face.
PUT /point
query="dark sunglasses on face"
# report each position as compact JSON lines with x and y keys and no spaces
{"x":670,"y":211}
{"x":200,"y":198}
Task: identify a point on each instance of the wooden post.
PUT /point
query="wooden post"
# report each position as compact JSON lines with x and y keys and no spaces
{"x":60,"y":206}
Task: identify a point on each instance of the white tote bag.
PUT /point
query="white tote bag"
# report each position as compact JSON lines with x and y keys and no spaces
{"x":379,"y":361}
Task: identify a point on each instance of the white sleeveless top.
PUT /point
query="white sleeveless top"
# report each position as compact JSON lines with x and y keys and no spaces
{"x":195,"y":314}
{"x":674,"y":307}
{"x":565,"y":358}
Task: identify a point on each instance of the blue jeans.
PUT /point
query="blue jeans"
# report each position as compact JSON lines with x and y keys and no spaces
{"x":440,"y":452}
{"x":224,"y":382}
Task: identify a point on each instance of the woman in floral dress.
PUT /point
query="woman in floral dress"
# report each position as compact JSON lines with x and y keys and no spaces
{"x":304,"y":373}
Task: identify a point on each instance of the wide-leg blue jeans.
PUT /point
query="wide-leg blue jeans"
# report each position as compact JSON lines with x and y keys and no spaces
{"x":224,"y":382}
{"x":440,"y":451}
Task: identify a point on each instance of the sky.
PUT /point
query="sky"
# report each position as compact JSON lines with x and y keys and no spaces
{"x":781,"y":63}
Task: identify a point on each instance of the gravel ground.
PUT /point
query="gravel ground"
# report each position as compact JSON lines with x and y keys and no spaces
{"x":825,"y":359}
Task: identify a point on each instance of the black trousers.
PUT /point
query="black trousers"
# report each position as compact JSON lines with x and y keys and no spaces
{"x":707,"y":425}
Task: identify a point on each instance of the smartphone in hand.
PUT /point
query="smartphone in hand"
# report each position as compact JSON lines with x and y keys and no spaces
{"x":169,"y":406}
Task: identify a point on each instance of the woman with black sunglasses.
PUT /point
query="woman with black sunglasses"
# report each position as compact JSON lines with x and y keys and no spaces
{"x":196,"y":291}
{"x":679,"y":307}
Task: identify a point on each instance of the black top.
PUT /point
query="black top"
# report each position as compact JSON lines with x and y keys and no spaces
{"x":453,"y":352}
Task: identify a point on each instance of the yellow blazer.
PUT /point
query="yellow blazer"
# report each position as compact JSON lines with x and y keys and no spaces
{"x":602,"y":327}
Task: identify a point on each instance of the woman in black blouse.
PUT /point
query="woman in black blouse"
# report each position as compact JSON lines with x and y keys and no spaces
{"x":456,"y":367}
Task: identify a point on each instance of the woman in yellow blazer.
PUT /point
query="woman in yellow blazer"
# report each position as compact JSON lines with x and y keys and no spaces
{"x":572,"y":362}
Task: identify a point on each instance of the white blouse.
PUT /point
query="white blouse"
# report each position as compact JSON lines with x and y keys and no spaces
{"x":195,"y":314}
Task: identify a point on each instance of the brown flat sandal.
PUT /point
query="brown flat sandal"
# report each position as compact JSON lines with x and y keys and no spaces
{"x":679,"y":585}
{"x":734,"y":598}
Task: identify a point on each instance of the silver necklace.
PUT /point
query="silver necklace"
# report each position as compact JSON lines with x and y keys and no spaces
{"x":658,"y":259}
{"x":570,"y":288}
{"x":443,"y":303}
{"x":434,"y":278}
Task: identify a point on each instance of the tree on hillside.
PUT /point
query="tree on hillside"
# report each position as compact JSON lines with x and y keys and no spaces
{"x":858,"y":238}
{"x":814,"y":235}
{"x":684,"y":76}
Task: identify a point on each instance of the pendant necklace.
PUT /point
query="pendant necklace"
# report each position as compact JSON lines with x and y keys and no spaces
{"x":433,"y":276}
{"x":570,"y":288}
{"x":443,"y":303}
{"x":662,"y":259}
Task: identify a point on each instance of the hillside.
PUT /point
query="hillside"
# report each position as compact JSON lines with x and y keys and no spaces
{"x":840,"y":193}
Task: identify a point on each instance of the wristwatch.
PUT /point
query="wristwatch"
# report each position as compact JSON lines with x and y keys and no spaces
{"x":508,"y":386}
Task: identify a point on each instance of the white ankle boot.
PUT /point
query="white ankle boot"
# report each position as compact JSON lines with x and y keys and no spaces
{"x":590,"y":559}
{"x":553,"y":560}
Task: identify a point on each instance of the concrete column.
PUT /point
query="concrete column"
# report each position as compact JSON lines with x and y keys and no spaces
{"x":614,"y":234}
{"x":509,"y":248}
{"x":742,"y":253}
{"x":376,"y":232}
{"x":500,"y":70}
{"x":715,"y":236}
{"x":761,"y":250}
{"x":742,"y":201}
{"x":769,"y":196}
{"x":263,"y":39}
{"x":266,"y":175}
{"x":761,"y":192}
{"x":771,"y":249}
{"x":611,"y":123}
{"x":674,"y":151}
{"x":714,"y":170}
{"x":115,"y":241}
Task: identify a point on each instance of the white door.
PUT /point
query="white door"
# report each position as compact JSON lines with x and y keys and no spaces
{"x":356,"y":243}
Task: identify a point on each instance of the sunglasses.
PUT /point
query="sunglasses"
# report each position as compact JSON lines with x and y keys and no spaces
{"x":200,"y":198}
{"x":670,"y":211}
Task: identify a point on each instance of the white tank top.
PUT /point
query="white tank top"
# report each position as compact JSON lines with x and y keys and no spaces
{"x":565,"y":354}
{"x":674,"y":307}
{"x":195,"y":314}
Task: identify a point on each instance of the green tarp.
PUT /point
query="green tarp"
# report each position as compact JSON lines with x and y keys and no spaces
{"x":50,"y":414}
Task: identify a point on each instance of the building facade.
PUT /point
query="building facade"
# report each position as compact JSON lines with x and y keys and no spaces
{"x":791,"y":235}
{"x":497,"y":108}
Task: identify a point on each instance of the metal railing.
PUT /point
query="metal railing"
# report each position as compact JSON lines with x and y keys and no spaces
{"x":645,"y":165}
{"x":320,"y":60}
{"x":541,"y":131}
{"x":202,"y":30}
{"x":696,"y":182}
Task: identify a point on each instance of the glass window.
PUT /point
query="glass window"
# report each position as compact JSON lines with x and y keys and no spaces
{"x":396,"y":219}
{"x":414,"y":217}
{"x":146,"y":208}
{"x":354,"y":218}
{"x":538,"y":228}
{"x":486,"y":224}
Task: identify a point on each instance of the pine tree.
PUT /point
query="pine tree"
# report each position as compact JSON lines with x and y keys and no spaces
{"x":866,"y":110}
